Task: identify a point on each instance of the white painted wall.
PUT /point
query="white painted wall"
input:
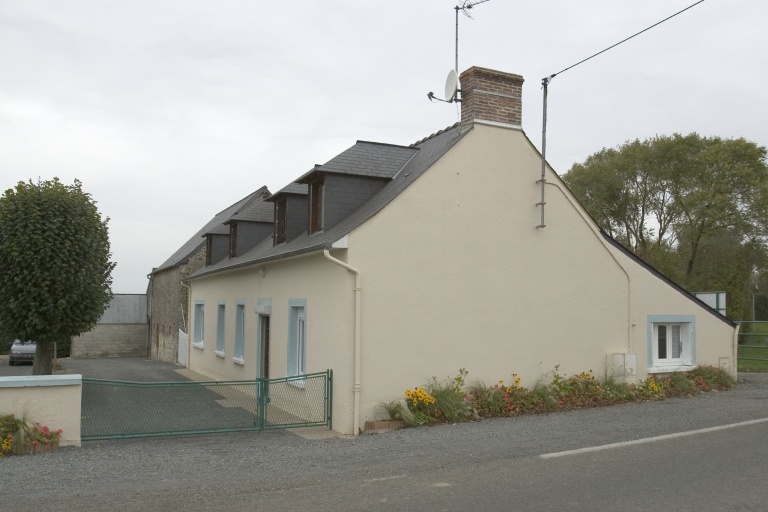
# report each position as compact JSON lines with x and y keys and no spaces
{"x":51,"y":400}
{"x":455,"y":274}
{"x":329,"y":292}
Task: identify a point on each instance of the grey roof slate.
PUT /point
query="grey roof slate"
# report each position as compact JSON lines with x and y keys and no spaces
{"x":422,"y":156}
{"x":367,"y":159}
{"x":291,"y":188}
{"x":183,"y":253}
{"x":220,"y":229}
{"x":256,"y":211}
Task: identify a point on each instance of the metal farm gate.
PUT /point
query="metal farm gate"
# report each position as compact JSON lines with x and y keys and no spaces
{"x":118,"y":409}
{"x":753,"y":347}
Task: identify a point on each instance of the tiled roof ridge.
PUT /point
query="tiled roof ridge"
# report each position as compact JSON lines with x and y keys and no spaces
{"x":196,"y":241}
{"x":440,"y":132}
{"x":254,"y":193}
{"x":383,"y":144}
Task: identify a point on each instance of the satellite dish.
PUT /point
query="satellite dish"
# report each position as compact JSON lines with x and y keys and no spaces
{"x":451,"y":86}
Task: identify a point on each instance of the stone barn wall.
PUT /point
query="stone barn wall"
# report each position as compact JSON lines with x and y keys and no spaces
{"x":169,"y":307}
{"x":121,"y":330}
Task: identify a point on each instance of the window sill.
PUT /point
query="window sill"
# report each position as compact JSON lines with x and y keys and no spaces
{"x":298,"y":383}
{"x":238,"y":360}
{"x":671,"y":368}
{"x":219,"y":353}
{"x":197,"y":345}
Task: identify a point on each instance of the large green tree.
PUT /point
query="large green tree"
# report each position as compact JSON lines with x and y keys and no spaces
{"x":55,"y":268}
{"x":680,"y":201}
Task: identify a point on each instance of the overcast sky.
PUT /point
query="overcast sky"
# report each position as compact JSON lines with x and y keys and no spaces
{"x":170,"y":111}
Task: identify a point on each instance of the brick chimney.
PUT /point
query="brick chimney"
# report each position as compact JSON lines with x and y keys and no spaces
{"x":491,"y":96}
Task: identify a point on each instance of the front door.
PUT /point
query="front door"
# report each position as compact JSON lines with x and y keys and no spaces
{"x":263,"y":368}
{"x":264,"y":349}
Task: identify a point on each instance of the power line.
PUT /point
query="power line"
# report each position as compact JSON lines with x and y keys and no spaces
{"x":544,"y":85}
{"x":550,"y":77}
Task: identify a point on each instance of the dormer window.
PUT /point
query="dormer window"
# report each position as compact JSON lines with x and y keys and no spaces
{"x":208,"y":250}
{"x":233,"y":240}
{"x":280,"y":221}
{"x":316,"y":189}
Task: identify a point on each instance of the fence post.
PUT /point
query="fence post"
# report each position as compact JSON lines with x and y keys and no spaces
{"x":262,"y":403}
{"x":329,"y":399}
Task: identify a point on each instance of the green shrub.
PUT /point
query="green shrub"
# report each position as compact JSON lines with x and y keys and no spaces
{"x":450,"y":404}
{"x":713,"y":377}
{"x":398,"y":412}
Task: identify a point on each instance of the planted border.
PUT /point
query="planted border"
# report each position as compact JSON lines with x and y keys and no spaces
{"x":449,"y":401}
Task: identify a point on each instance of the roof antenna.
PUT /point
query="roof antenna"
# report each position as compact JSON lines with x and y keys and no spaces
{"x":452,"y":82}
{"x":465,"y":6}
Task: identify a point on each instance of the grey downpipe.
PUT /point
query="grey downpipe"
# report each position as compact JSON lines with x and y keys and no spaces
{"x":356,"y":387}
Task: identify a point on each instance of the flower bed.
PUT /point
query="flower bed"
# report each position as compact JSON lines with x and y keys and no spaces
{"x":19,"y":437}
{"x":450,"y":401}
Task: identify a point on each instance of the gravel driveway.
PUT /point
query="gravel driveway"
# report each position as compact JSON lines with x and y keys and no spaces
{"x":139,"y":369}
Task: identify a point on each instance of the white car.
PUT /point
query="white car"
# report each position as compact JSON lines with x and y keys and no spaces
{"x":22,"y":352}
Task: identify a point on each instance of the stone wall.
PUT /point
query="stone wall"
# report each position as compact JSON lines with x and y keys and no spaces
{"x":169,"y":307}
{"x":111,"y":340}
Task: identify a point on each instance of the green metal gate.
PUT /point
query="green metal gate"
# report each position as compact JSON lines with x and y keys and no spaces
{"x":118,"y":409}
{"x":753,"y":346}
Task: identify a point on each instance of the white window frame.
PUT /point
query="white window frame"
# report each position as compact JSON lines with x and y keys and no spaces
{"x":239,"y":331}
{"x":221,"y":328}
{"x":199,"y":329}
{"x":301,"y":343}
{"x":669,"y":324}
{"x":297,"y":341}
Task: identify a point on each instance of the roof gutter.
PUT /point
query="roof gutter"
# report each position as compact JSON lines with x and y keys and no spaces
{"x":356,"y":386}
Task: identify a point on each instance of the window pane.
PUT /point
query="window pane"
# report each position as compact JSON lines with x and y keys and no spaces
{"x":220,"y":329}
{"x":676,"y":344}
{"x":662,"y":343}
{"x":239,"y":330}
{"x":199,"y":322}
{"x":301,"y":347}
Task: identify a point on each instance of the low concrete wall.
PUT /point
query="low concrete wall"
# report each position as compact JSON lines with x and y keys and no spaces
{"x":111,"y":340}
{"x":51,"y":400}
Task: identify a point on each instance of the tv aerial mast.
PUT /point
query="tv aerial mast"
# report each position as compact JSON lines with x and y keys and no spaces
{"x":464,"y":8}
{"x":452,"y":82}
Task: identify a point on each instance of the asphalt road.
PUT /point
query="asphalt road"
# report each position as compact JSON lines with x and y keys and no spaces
{"x":489,"y":465}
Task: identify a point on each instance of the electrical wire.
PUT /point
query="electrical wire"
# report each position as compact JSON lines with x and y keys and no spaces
{"x":550,"y":77}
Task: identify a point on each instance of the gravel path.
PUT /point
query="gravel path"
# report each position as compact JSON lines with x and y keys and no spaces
{"x":185,"y":470}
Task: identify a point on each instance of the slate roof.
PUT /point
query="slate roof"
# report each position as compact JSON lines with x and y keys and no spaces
{"x":291,"y":188}
{"x":214,"y":226}
{"x":219,"y":229}
{"x":650,"y":268}
{"x":257,"y":211}
{"x":365,"y":158}
{"x":413,"y":161}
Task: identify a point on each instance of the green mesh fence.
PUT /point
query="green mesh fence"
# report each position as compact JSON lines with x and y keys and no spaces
{"x":753,"y":341}
{"x":117,"y":409}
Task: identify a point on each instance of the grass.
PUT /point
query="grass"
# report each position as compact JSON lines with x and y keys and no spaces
{"x":753,"y":358}
{"x":753,"y":347}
